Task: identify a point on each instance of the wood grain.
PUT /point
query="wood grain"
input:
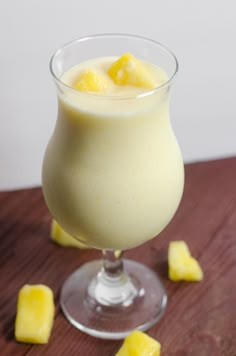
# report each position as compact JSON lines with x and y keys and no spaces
{"x":200,"y":319}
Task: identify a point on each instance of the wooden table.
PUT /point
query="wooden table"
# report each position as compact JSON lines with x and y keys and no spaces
{"x":200,"y":319}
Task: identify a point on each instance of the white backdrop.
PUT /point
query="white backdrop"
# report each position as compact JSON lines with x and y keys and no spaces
{"x":201,"y":34}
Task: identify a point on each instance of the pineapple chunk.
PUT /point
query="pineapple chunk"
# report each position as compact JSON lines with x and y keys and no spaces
{"x":139,"y":344}
{"x":35,"y":314}
{"x":128,"y":70}
{"x":61,"y":237}
{"x":182,"y":266}
{"x":90,"y":81}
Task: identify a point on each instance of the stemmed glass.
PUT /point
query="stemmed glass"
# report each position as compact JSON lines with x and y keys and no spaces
{"x":113,"y":178}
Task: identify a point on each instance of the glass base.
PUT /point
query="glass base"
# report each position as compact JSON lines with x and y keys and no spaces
{"x":109,"y":309}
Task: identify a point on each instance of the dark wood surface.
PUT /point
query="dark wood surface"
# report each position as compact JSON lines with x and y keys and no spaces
{"x":200,"y":319}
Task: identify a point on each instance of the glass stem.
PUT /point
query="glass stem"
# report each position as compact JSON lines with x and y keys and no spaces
{"x":112,"y":263}
{"x":112,"y":286}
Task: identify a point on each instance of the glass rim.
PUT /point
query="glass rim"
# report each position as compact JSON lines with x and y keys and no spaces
{"x":107,"y":96}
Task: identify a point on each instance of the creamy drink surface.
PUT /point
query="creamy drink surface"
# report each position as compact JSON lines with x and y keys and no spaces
{"x":113,"y":172}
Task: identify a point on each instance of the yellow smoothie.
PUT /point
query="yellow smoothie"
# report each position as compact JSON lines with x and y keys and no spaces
{"x":113,"y":171}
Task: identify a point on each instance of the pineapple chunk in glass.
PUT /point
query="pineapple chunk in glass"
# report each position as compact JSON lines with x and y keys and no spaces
{"x":128,"y":70}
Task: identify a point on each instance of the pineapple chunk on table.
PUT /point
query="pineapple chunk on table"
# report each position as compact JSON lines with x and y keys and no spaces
{"x":61,"y":237}
{"x":182,"y":266}
{"x":139,"y":344}
{"x":35,"y":314}
{"x":90,"y":81}
{"x":128,"y":70}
